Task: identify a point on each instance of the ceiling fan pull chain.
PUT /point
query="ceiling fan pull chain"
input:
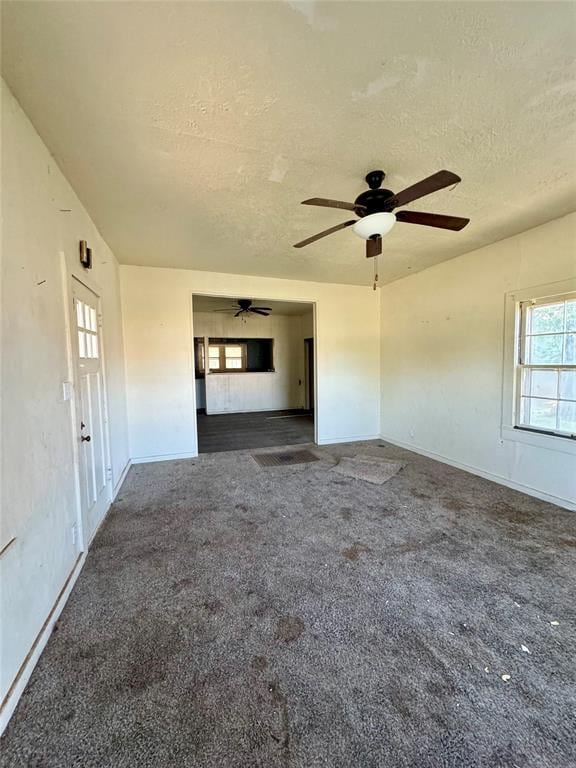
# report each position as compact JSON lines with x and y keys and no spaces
{"x":375,"y":273}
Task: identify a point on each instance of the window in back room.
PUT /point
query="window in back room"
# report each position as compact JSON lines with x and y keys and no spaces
{"x":240,"y":355}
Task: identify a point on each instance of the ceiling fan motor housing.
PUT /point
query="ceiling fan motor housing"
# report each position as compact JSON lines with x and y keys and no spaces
{"x":374,"y":200}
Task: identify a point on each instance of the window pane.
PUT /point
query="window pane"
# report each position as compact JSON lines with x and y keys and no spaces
{"x":568,"y":385}
{"x":545,"y":350}
{"x":79,"y":314}
{"x":540,"y":383}
{"x":233,"y":362}
{"x":95,"y":345}
{"x":567,"y":417}
{"x":233,"y":352}
{"x":546,"y":318}
{"x":81,"y":343}
{"x":539,"y":413}
{"x":571,"y":315}
{"x":570,"y":349}
{"x":92,"y":318}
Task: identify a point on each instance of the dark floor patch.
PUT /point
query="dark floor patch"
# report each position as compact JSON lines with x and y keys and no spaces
{"x":353,"y":553}
{"x":213,"y":606}
{"x":182,"y":644}
{"x":289,"y":628}
{"x":240,"y":431}
{"x":284,"y":458}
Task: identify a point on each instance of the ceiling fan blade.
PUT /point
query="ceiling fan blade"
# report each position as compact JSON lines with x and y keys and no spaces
{"x":331,"y":203}
{"x":323,"y":234}
{"x":432,"y":220}
{"x":259,"y":311}
{"x":373,"y":247}
{"x":433,"y":183}
{"x":239,"y":313}
{"x":266,"y":309}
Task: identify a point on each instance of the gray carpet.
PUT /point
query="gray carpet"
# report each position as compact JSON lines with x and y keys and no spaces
{"x":236,"y":617}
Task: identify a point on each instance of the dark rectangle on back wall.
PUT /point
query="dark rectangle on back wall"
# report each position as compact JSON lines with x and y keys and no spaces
{"x":259,"y":352}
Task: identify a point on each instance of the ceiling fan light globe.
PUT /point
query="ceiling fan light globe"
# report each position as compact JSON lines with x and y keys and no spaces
{"x":374,"y":224}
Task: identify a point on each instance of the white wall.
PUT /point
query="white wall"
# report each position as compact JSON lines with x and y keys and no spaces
{"x":39,"y":509}
{"x":266,"y":391}
{"x":442,"y":359}
{"x":157,"y":314}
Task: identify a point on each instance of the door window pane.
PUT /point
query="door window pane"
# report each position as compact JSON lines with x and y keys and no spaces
{"x":79,"y":314}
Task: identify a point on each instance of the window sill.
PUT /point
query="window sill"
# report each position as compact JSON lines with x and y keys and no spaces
{"x":550,"y":442}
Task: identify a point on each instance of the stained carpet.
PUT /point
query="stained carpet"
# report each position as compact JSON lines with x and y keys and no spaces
{"x":236,"y":617}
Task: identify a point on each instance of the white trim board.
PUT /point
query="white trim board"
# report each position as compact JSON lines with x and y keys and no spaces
{"x":165,"y":457}
{"x":123,"y":475}
{"x":500,"y":479}
{"x":21,"y":680}
{"x":351,"y":439}
{"x":8,"y":706}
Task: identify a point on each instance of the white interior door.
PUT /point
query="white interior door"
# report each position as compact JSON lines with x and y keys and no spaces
{"x":90,"y":409}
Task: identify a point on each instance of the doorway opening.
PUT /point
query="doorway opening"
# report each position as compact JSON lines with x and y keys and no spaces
{"x":254,"y":373}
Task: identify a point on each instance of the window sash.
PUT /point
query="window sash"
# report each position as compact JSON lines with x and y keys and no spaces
{"x":223,"y":358}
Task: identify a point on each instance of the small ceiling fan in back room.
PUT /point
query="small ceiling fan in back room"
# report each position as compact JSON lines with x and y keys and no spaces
{"x":244,"y":308}
{"x":375,"y":207}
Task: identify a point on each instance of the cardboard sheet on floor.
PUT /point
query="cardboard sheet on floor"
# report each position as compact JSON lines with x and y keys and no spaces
{"x":372,"y":469}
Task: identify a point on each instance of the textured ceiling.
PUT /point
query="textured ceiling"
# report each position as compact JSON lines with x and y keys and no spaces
{"x":210,"y":303}
{"x":191,"y":130}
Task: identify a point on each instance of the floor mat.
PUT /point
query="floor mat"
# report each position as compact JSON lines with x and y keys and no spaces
{"x":369,"y":468}
{"x":284,"y":458}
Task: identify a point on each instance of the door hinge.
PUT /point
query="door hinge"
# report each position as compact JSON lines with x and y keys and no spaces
{"x":108,"y":473}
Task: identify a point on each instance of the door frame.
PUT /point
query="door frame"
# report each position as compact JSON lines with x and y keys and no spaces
{"x":71,"y":391}
{"x":309,"y":381}
{"x":259,"y":296}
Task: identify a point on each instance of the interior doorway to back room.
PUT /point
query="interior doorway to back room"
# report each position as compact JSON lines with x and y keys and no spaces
{"x":254,"y":373}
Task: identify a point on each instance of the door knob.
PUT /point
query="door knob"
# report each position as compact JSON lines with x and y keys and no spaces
{"x":85,"y":438}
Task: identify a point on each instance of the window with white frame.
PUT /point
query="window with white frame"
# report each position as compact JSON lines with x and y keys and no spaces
{"x":226,"y":357}
{"x":87,"y":322}
{"x":546,"y":366}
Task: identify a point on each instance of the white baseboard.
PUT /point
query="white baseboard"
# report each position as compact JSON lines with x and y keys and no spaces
{"x":348,"y":439}
{"x":16,"y":689}
{"x":121,"y":479}
{"x":500,"y":479}
{"x":256,"y":410}
{"x":165,"y":457}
